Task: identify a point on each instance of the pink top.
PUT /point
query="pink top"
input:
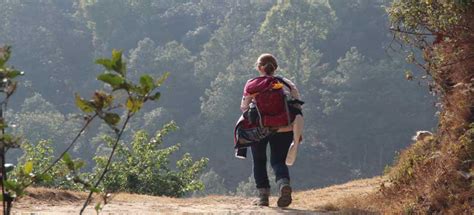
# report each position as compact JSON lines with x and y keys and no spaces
{"x":293,"y":92}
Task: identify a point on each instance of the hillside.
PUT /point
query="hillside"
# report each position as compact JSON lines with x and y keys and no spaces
{"x":317,"y":201}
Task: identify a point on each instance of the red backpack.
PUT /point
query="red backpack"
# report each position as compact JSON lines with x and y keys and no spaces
{"x":270,"y":101}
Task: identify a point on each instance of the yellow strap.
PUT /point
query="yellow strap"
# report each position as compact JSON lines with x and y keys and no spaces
{"x":277,"y":86}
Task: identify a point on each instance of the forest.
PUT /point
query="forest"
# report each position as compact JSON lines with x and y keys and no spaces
{"x":364,"y":102}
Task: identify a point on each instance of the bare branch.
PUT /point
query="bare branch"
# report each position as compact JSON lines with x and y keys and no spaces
{"x":119,"y":136}
{"x":410,"y":32}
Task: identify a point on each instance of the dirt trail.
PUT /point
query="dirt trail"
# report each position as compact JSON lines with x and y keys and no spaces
{"x":318,"y":201}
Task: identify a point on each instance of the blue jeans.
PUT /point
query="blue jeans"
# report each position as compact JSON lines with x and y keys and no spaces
{"x":279,"y":145}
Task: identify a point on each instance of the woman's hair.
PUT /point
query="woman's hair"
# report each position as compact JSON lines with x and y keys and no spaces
{"x":269,"y":63}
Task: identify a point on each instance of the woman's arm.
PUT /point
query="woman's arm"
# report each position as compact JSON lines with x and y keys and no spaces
{"x":246,"y":99}
{"x":244,"y":105}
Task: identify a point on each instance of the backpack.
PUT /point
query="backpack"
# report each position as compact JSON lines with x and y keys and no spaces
{"x":270,"y":102}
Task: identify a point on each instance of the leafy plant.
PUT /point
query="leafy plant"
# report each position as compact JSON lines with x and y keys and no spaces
{"x":104,"y":105}
{"x":36,"y":158}
{"x":142,"y":167}
{"x":38,"y":165}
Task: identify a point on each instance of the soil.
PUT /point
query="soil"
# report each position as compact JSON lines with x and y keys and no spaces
{"x":329,"y":200}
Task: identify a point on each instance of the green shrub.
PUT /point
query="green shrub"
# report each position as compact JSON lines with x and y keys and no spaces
{"x":143,"y":167}
{"x":35,"y":159}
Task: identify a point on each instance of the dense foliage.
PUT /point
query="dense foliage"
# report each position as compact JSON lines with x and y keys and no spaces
{"x":143,"y":167}
{"x":434,"y":175}
{"x":36,"y":158}
{"x":359,"y":109}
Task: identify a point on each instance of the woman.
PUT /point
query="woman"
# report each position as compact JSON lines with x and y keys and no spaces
{"x":279,"y":143}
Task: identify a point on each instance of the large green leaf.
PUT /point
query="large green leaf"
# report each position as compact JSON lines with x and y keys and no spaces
{"x":102,"y":99}
{"x":146,"y":81}
{"x":116,"y":56}
{"x":113,"y":80}
{"x":106,"y":63}
{"x":117,"y":64}
{"x":83,"y":104}
{"x":112,"y":118}
{"x":134,"y":105}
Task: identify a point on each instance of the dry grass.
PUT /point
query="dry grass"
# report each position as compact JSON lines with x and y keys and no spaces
{"x":344,"y":197}
{"x":427,"y":179}
{"x":328,"y":200}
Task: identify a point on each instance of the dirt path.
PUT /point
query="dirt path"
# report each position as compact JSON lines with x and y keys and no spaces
{"x":319,"y":201}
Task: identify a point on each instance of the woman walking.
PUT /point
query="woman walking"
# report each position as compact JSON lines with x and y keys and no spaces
{"x":279,"y":142}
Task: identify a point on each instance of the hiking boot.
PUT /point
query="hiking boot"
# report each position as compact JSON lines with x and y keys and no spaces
{"x":284,"y":198}
{"x":263,"y":196}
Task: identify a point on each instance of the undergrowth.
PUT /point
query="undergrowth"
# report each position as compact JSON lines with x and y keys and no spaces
{"x":432,"y":177}
{"x":410,"y":159}
{"x":436,"y":176}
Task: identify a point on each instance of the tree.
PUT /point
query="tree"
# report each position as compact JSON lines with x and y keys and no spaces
{"x":292,"y":31}
{"x":108,"y":20}
{"x":162,"y":21}
{"x":359,"y":100}
{"x":48,"y":57}
{"x":221,"y":69}
{"x":230,"y":41}
{"x":181,"y":95}
{"x":361,"y":24}
{"x":212,"y":129}
{"x":38,"y":119}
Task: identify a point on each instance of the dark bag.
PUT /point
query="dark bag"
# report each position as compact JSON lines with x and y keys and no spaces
{"x":252,"y":114}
